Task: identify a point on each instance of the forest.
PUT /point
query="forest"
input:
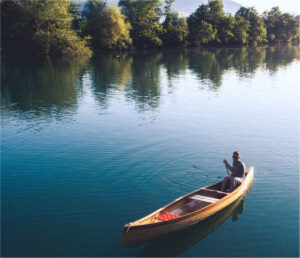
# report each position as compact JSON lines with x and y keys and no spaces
{"x":64,"y":28}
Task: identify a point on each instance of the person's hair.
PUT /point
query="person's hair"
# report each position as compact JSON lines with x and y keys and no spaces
{"x":237,"y":153}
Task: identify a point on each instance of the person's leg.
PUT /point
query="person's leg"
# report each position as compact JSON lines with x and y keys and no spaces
{"x":232,"y":184}
{"x":225,"y":182}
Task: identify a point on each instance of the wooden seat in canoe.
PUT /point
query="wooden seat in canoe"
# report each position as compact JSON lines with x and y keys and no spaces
{"x":203,"y":198}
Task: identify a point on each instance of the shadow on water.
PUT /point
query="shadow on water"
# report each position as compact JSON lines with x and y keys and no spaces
{"x":176,"y":243}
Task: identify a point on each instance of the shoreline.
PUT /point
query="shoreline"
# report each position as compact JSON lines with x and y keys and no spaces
{"x":134,"y":51}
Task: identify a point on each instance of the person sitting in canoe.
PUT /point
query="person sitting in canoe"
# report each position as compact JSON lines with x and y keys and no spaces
{"x":237,"y":173}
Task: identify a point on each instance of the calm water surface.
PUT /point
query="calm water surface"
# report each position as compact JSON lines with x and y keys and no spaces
{"x":90,"y":145}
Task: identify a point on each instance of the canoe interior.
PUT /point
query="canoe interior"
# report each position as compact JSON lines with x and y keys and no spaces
{"x":187,"y":204}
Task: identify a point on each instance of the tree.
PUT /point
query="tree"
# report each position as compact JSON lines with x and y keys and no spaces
{"x":209,"y":22}
{"x":225,"y":30}
{"x":202,"y":33}
{"x":92,"y":14}
{"x":144,"y":18}
{"x":167,"y":7}
{"x":16,"y":29}
{"x":175,"y":29}
{"x":78,"y":23}
{"x":281,"y":28}
{"x":216,"y":12}
{"x":45,"y":25}
{"x":240,"y":30}
{"x":106,"y":26}
{"x":53,"y":29}
{"x":114,"y":32}
{"x":257,"y":31}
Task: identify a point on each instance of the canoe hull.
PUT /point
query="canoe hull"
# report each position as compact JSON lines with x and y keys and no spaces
{"x":136,"y":235}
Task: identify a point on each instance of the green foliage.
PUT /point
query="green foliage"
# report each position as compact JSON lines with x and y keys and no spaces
{"x":225,"y":29}
{"x":106,"y":26}
{"x":209,"y":24}
{"x":144,"y":18}
{"x":115,"y":30}
{"x":175,"y":30}
{"x":202,"y":34}
{"x":216,"y":11}
{"x":16,"y":28}
{"x":53,"y":29}
{"x":281,"y":28}
{"x":257,"y":31}
{"x":78,"y":23}
{"x":60,"y":28}
{"x":240,"y":30}
{"x":167,"y":7}
{"x":45,"y":25}
{"x":92,"y":15}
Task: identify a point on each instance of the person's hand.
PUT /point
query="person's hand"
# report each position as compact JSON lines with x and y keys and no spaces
{"x":225,"y":161}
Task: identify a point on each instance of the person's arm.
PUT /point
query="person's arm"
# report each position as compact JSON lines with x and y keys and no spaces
{"x":232,"y":169}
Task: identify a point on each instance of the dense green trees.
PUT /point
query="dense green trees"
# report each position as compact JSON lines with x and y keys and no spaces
{"x":240,"y":30}
{"x":43,"y":27}
{"x":257,"y":31}
{"x":200,"y":30}
{"x":53,"y":29}
{"x":175,"y":28}
{"x":62,"y":28}
{"x":281,"y":28}
{"x":144,"y":17}
{"x":246,"y":27}
{"x":106,"y":26}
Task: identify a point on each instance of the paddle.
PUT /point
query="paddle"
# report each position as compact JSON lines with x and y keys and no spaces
{"x":227,"y":170}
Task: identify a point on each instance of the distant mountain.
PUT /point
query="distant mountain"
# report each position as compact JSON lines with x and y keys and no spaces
{"x":186,"y":7}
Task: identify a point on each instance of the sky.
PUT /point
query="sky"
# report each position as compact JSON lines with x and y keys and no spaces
{"x":292,"y":6}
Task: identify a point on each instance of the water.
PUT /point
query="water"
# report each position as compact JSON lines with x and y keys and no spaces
{"x":90,"y":145}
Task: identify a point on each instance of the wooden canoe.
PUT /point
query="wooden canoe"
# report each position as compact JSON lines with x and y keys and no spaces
{"x":188,"y":209}
{"x":176,"y":243}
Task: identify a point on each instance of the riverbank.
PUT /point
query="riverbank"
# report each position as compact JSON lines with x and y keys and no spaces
{"x":61,"y":28}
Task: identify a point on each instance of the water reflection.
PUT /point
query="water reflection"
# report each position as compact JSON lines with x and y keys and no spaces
{"x":137,"y":75}
{"x":54,"y":87}
{"x":145,"y":81}
{"x":175,"y":62}
{"x":109,"y":73}
{"x":41,"y":88}
{"x":176,"y":243}
{"x":280,"y":57}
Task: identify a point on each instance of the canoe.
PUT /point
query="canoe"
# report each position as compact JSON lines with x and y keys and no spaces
{"x":184,"y":212}
{"x":176,"y":243}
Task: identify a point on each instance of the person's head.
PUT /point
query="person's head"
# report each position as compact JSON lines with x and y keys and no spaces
{"x":236,"y":155}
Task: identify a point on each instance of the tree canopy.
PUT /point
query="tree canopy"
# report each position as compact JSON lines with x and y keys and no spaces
{"x":106,"y":26}
{"x":257,"y":31}
{"x":175,"y":28}
{"x":144,"y":17}
{"x":63,"y":28}
{"x":41,"y":26}
{"x":281,"y":27}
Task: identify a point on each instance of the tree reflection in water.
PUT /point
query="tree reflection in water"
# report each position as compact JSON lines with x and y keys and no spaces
{"x":53,"y":87}
{"x":176,"y":243}
{"x":145,"y":80}
{"x":46,"y":88}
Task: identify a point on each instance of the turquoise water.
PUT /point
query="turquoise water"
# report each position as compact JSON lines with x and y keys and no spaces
{"x":89,"y":145}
